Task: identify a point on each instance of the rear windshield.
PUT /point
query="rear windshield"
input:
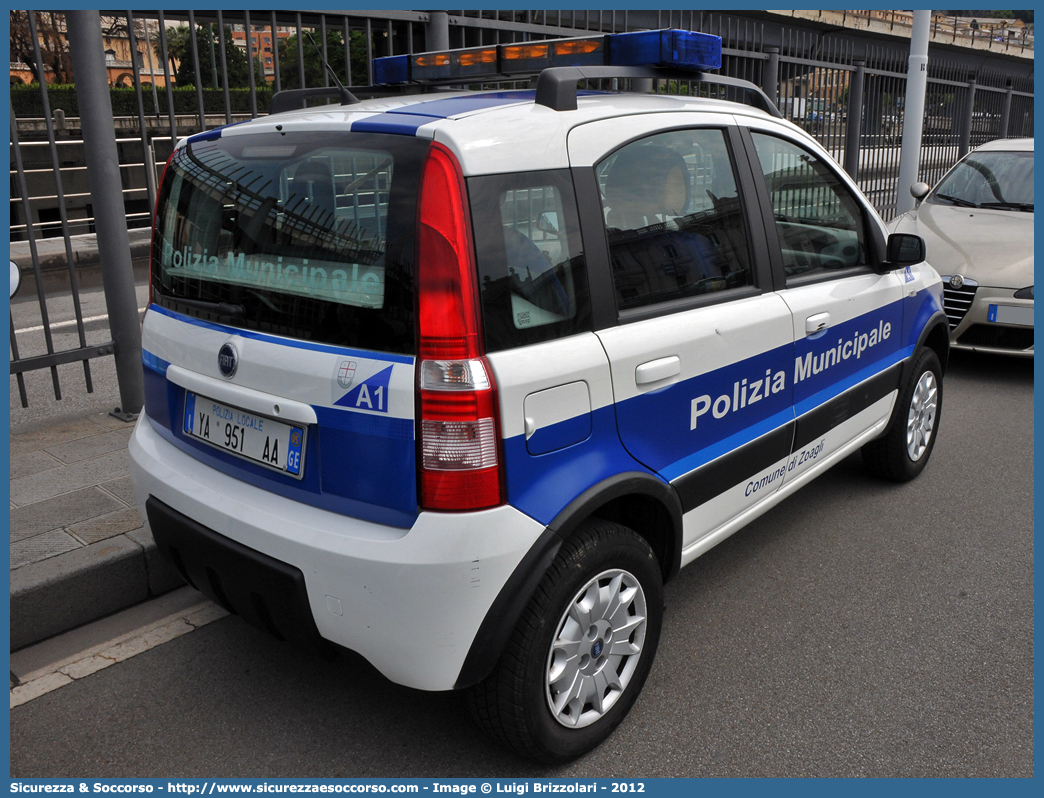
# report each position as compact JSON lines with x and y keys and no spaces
{"x":308,"y":235}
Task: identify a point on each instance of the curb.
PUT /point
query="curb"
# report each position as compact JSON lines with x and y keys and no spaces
{"x":60,"y":593}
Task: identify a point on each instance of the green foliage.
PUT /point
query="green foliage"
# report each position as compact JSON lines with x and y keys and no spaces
{"x":235,"y":59}
{"x":289,"y":69}
{"x":178,"y":47}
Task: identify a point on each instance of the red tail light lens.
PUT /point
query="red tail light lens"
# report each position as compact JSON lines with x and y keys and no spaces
{"x":458,"y":451}
{"x":459,"y":439}
{"x":448,"y":306}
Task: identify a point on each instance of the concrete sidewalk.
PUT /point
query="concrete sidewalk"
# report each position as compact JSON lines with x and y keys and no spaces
{"x":79,"y":549}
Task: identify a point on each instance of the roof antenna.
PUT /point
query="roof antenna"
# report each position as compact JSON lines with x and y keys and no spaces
{"x":347,"y":98}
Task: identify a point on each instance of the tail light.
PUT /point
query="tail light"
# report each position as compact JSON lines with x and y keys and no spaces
{"x":459,"y":441}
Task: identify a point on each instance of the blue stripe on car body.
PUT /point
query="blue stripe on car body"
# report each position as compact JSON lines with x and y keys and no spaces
{"x":444,"y":108}
{"x":674,"y":456}
{"x":543,"y":485}
{"x":918,"y":309}
{"x":558,"y":436}
{"x":694,"y":446}
{"x":401,"y":124}
{"x":406,"y":120}
{"x":868,"y":343}
{"x":151,"y":361}
{"x":367,"y":473}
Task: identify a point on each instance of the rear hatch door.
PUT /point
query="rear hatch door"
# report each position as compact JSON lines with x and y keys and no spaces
{"x":279,"y":343}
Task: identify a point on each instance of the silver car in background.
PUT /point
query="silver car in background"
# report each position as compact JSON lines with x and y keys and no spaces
{"x":977,"y":224}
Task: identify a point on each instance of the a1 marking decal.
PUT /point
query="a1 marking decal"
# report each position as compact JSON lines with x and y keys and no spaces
{"x":370,"y":394}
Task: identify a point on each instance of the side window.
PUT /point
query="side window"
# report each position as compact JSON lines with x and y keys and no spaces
{"x":818,"y":219}
{"x":674,"y":219}
{"x":530,"y":259}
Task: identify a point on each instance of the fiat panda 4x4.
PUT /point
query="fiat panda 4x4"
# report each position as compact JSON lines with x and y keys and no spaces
{"x":459,"y":380}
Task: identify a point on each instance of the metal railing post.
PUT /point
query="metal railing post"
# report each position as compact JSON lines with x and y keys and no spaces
{"x":103,"y":178}
{"x":194,"y":47}
{"x":149,"y":160}
{"x":224,"y":67}
{"x":1005,"y":119}
{"x":213,"y":58}
{"x":966,"y":122}
{"x":770,"y":75}
{"x":436,"y":32}
{"x":854,"y":123}
{"x":250,"y":61}
{"x":913,"y":112}
{"x":300,"y":53}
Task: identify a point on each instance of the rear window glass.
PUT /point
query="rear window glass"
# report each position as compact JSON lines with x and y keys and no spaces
{"x":309,"y":235}
{"x":530,"y":258}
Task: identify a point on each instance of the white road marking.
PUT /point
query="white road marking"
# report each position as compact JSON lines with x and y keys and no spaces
{"x":130,"y":645}
{"x":69,"y":323}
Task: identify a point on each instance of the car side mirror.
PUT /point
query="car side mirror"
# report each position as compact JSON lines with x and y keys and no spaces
{"x":16,"y":278}
{"x":919,"y":191}
{"x":904,"y":249}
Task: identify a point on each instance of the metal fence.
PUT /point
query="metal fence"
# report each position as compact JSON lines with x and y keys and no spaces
{"x":175,"y":74}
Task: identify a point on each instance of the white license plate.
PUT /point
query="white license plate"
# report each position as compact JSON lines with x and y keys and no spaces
{"x":257,"y":438}
{"x":1011,"y":314}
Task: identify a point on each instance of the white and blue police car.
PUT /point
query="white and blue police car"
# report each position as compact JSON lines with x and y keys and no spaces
{"x":458,"y":380}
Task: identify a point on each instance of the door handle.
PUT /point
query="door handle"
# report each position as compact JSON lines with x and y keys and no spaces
{"x":656,"y":370}
{"x":817,"y":323}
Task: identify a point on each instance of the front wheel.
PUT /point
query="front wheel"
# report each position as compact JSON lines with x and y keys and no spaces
{"x":904,"y":450}
{"x":582,"y":649}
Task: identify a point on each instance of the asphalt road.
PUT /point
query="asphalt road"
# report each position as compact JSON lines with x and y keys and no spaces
{"x":860,"y":628}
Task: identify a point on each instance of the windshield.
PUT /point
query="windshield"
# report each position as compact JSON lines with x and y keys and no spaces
{"x":989,"y":179}
{"x":308,"y":235}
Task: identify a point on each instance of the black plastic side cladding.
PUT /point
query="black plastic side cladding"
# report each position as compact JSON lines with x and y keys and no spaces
{"x":938,"y":321}
{"x":507,"y":607}
{"x":628,"y":484}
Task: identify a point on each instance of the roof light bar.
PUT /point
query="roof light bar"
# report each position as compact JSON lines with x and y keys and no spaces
{"x":679,"y":49}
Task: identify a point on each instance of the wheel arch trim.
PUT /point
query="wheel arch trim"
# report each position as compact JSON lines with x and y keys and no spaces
{"x":503,"y":615}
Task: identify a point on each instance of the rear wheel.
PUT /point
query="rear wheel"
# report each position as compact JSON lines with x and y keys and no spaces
{"x":582,"y":649}
{"x":904,"y":450}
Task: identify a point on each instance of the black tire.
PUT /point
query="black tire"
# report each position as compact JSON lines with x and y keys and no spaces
{"x":513,"y":703}
{"x":901,"y":455}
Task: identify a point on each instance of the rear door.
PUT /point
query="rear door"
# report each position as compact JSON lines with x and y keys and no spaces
{"x":701,"y":349}
{"x":279,"y":344}
{"x":552,"y":375}
{"x":847,"y":319}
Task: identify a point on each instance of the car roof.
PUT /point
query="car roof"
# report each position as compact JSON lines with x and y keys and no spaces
{"x":490,"y":131}
{"x":1007,"y":145}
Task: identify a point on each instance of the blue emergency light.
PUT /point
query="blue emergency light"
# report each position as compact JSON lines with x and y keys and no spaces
{"x":677,"y":49}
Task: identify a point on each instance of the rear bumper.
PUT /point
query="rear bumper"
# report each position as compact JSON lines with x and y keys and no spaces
{"x":410,"y":601}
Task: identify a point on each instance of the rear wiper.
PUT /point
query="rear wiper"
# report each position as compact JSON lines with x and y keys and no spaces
{"x":223,"y":310}
{"x":1012,"y":206}
{"x":957,"y":201}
